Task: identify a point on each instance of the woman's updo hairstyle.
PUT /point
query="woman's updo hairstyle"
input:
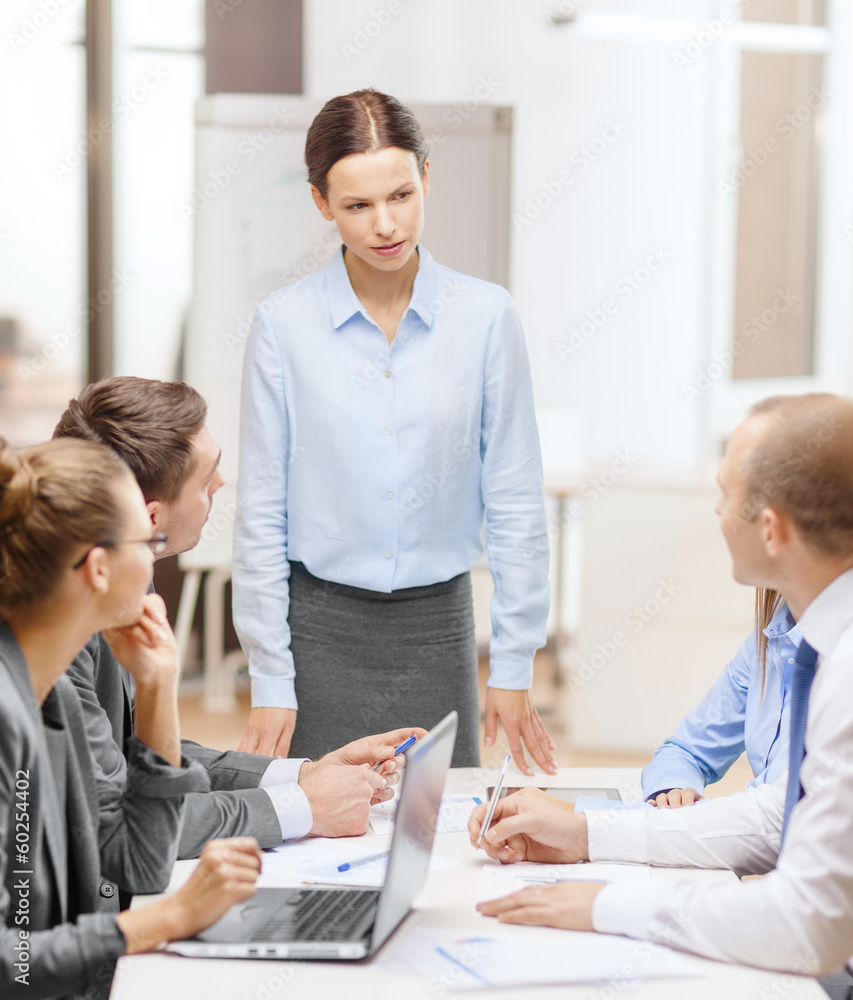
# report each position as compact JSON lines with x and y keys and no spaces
{"x":361,"y":122}
{"x":55,"y":499}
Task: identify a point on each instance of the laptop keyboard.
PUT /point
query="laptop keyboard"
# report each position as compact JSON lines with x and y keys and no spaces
{"x":321,"y":915}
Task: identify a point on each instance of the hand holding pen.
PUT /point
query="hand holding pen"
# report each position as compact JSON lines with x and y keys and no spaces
{"x":378,"y":749}
{"x":397,"y":751}
{"x":529,"y":826}
{"x":493,"y":801}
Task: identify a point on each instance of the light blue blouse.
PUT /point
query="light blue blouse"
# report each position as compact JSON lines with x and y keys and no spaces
{"x":385,"y":468}
{"x":735,"y":716}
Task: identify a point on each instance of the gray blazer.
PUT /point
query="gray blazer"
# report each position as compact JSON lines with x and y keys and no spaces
{"x":235,"y":807}
{"x":64,"y":827}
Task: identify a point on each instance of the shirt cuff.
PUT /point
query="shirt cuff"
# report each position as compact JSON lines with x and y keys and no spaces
{"x":273,"y":692}
{"x":626,"y":908}
{"x":292,"y":809}
{"x":618,"y":835}
{"x":282,"y":771}
{"x":656,"y":780}
{"x":514,"y":675}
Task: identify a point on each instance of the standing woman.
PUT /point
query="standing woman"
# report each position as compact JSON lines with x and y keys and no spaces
{"x":387,"y":433}
{"x":76,"y":558}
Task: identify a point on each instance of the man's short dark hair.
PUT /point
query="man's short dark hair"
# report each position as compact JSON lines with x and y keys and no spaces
{"x":149,"y":424}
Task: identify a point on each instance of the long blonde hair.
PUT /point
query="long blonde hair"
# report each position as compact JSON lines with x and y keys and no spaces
{"x":767,"y":603}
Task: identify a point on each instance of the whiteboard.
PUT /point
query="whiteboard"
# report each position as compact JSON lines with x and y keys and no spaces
{"x":256,"y":229}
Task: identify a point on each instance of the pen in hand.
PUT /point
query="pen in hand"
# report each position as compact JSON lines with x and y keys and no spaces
{"x":397,"y":750}
{"x":493,"y":801}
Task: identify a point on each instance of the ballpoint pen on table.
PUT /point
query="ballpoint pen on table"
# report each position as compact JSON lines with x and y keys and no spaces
{"x":362,"y":861}
{"x":493,"y":801}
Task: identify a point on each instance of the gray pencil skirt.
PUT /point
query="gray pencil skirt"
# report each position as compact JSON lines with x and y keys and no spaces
{"x":367,"y":662}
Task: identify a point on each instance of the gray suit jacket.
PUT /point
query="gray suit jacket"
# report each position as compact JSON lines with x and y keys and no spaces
{"x":64,"y":827}
{"x":235,"y":807}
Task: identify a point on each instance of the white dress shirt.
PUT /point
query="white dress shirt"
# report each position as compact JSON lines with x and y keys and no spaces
{"x":799,"y":917}
{"x":280,"y":782}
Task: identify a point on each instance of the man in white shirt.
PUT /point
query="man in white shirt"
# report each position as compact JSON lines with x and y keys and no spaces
{"x":786,"y":507}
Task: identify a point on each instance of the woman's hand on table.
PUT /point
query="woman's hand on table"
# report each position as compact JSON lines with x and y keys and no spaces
{"x":521,"y":722}
{"x":677,"y":797}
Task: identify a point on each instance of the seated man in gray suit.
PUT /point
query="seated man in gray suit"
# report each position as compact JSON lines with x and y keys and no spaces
{"x":159,"y":429}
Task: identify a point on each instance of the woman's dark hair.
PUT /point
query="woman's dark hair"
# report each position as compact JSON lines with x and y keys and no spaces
{"x":360,"y":122}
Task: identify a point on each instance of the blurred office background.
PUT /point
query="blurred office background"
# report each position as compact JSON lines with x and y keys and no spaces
{"x":680,"y":239}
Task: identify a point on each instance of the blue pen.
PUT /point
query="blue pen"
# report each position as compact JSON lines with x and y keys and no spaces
{"x":397,"y":750}
{"x":362,"y":861}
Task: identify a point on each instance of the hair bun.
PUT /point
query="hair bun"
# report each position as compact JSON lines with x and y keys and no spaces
{"x":19,"y":488}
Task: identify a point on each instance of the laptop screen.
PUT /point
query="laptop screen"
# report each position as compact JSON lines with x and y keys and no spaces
{"x":426,"y":768}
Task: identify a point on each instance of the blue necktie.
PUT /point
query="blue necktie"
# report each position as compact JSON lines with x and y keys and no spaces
{"x":801,"y":684}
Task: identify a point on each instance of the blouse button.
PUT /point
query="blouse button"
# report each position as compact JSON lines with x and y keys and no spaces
{"x":387,"y":374}
{"x":390,"y":495}
{"x":389,"y":555}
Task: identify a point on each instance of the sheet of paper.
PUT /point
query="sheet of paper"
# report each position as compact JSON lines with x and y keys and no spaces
{"x":316,"y":860}
{"x":295,"y":858}
{"x":453,"y":815}
{"x":372,"y":873}
{"x":462,"y":960}
{"x":500,"y":880}
{"x":585,"y":802}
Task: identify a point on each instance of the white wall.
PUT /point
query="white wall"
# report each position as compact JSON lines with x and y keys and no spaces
{"x":643,"y":193}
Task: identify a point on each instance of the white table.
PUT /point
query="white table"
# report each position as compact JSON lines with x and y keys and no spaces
{"x":447,"y":900}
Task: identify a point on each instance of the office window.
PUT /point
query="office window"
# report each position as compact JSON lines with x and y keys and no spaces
{"x":159,"y":73}
{"x":776,"y":185}
{"x":42,"y":216}
{"x":785,"y":11}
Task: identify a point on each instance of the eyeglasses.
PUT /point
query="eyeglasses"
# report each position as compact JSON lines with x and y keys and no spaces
{"x":157,"y":544}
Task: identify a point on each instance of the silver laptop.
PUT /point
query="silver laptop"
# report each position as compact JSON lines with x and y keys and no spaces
{"x":332,"y":923}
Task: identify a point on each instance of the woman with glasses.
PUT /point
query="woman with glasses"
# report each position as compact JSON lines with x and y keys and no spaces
{"x":75,"y":559}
